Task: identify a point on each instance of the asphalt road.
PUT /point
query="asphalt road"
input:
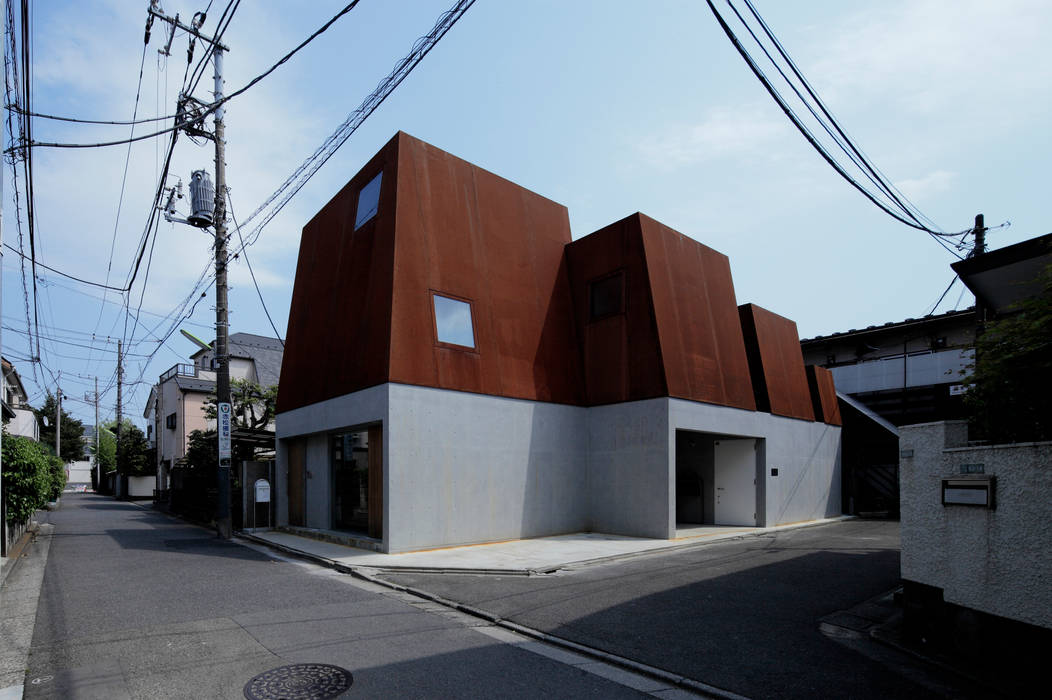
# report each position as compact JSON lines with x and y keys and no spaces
{"x":137,"y":605}
{"x":741,"y":615}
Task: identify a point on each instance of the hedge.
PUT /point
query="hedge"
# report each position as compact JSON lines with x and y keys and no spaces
{"x":32,"y":477}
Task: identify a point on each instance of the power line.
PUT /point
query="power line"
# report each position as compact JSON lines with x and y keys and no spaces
{"x":907,"y":216}
{"x":19,"y":253}
{"x":244,"y":252}
{"x":295,"y":182}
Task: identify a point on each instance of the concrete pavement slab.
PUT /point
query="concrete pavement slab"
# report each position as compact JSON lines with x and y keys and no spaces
{"x":541,"y":554}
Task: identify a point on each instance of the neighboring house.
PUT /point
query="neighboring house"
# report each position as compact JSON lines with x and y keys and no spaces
{"x":459,"y":371}
{"x":176,"y":405}
{"x":911,"y":371}
{"x":907,"y":371}
{"x":20,"y":418}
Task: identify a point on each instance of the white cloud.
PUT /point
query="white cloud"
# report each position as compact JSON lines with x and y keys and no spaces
{"x":726,"y":132}
{"x":920,"y":188}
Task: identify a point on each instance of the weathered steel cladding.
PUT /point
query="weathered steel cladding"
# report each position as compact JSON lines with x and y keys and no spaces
{"x":702,"y":347}
{"x":823,"y":395}
{"x":776,"y":363}
{"x":340,"y":317}
{"x":362,"y":312}
{"x":619,"y":352}
{"x":467,"y":233}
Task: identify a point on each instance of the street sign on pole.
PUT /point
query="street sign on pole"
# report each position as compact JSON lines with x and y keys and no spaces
{"x":224,"y":434}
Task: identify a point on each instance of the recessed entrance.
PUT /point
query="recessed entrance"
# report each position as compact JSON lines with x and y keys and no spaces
{"x":357,"y":469}
{"x":717,"y":479}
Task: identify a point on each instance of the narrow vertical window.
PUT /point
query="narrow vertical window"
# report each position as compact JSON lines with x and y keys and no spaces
{"x":368,"y":201}
{"x":606,"y":296}
{"x":453,"y":321}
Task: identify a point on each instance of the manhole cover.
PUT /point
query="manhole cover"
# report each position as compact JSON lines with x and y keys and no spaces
{"x":299,"y":682}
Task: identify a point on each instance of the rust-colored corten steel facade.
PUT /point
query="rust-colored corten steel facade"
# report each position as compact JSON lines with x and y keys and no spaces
{"x":363,"y":298}
{"x":675,"y":331}
{"x":823,"y":395}
{"x":633,"y":311}
{"x":776,"y":363}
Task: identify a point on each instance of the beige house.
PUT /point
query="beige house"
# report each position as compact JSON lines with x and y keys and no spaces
{"x":17,"y":412}
{"x":176,"y":406}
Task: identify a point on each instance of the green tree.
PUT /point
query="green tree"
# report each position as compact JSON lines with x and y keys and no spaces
{"x":30,"y":477}
{"x":72,"y":431}
{"x":253,"y":405}
{"x":1010,"y":391}
{"x":202,"y":450}
{"x":106,"y":450}
{"x":131,"y":454}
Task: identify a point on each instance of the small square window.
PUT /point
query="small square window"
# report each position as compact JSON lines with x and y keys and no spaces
{"x":606,"y":296}
{"x":368,"y":201}
{"x":453,"y":321}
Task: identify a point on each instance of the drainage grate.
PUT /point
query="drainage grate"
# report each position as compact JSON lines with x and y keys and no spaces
{"x":299,"y":682}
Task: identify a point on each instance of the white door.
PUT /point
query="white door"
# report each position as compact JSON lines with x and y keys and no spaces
{"x":735,"y":481}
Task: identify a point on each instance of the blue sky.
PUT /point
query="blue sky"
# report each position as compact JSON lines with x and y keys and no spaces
{"x":606,"y":107}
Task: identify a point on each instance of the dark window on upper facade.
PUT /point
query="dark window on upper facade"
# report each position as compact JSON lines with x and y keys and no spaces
{"x":169,"y":422}
{"x":606,"y":296}
{"x":368,"y":201}
{"x":453,"y":323}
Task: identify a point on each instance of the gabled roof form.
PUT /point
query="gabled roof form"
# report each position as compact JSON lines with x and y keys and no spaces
{"x":363,"y":312}
{"x":265,"y":351}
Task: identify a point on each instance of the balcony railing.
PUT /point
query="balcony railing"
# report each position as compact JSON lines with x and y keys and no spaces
{"x":182,"y":370}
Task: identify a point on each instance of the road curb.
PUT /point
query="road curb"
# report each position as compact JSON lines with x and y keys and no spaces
{"x":367,"y":574}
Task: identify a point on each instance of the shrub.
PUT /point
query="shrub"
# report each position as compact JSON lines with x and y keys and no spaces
{"x":57,"y":474}
{"x":27,"y":474}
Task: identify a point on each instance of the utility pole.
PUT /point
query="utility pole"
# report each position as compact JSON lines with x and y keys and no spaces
{"x":977,"y":250}
{"x":58,"y":421}
{"x":97,"y":485}
{"x":188,"y":105}
{"x":222,"y":352}
{"x":121,"y":482}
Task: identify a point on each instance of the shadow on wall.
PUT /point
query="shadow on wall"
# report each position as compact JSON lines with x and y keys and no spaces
{"x":830,"y":494}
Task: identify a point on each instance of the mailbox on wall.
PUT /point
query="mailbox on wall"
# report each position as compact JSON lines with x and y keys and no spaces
{"x":975,"y":491}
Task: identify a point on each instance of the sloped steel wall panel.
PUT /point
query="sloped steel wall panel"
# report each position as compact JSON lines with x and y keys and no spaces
{"x":776,"y":362}
{"x":620,"y":352}
{"x":823,"y":395}
{"x":339,"y":321}
{"x":702,"y":347}
{"x":467,"y":233}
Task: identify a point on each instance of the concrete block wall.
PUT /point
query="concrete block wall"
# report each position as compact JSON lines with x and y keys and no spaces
{"x":997,"y":561}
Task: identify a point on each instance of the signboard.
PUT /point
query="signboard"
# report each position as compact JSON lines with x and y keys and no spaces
{"x":224,"y":434}
{"x":969,"y":492}
{"x":262,"y":491}
{"x":973,"y":468}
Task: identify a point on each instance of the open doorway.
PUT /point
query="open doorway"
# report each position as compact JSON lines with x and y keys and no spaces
{"x":718,"y":479}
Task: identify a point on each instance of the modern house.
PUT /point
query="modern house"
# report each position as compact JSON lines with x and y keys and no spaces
{"x":18,"y":414}
{"x":176,"y":405}
{"x":459,"y":370}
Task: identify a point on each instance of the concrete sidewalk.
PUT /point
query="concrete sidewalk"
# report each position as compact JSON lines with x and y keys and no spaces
{"x":517,"y":557}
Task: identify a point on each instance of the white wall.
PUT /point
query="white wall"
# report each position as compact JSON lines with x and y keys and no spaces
{"x":465,"y":468}
{"x":629,"y":480}
{"x":80,"y":472}
{"x":997,"y":560}
{"x":806,"y":454}
{"x":24,"y":423}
